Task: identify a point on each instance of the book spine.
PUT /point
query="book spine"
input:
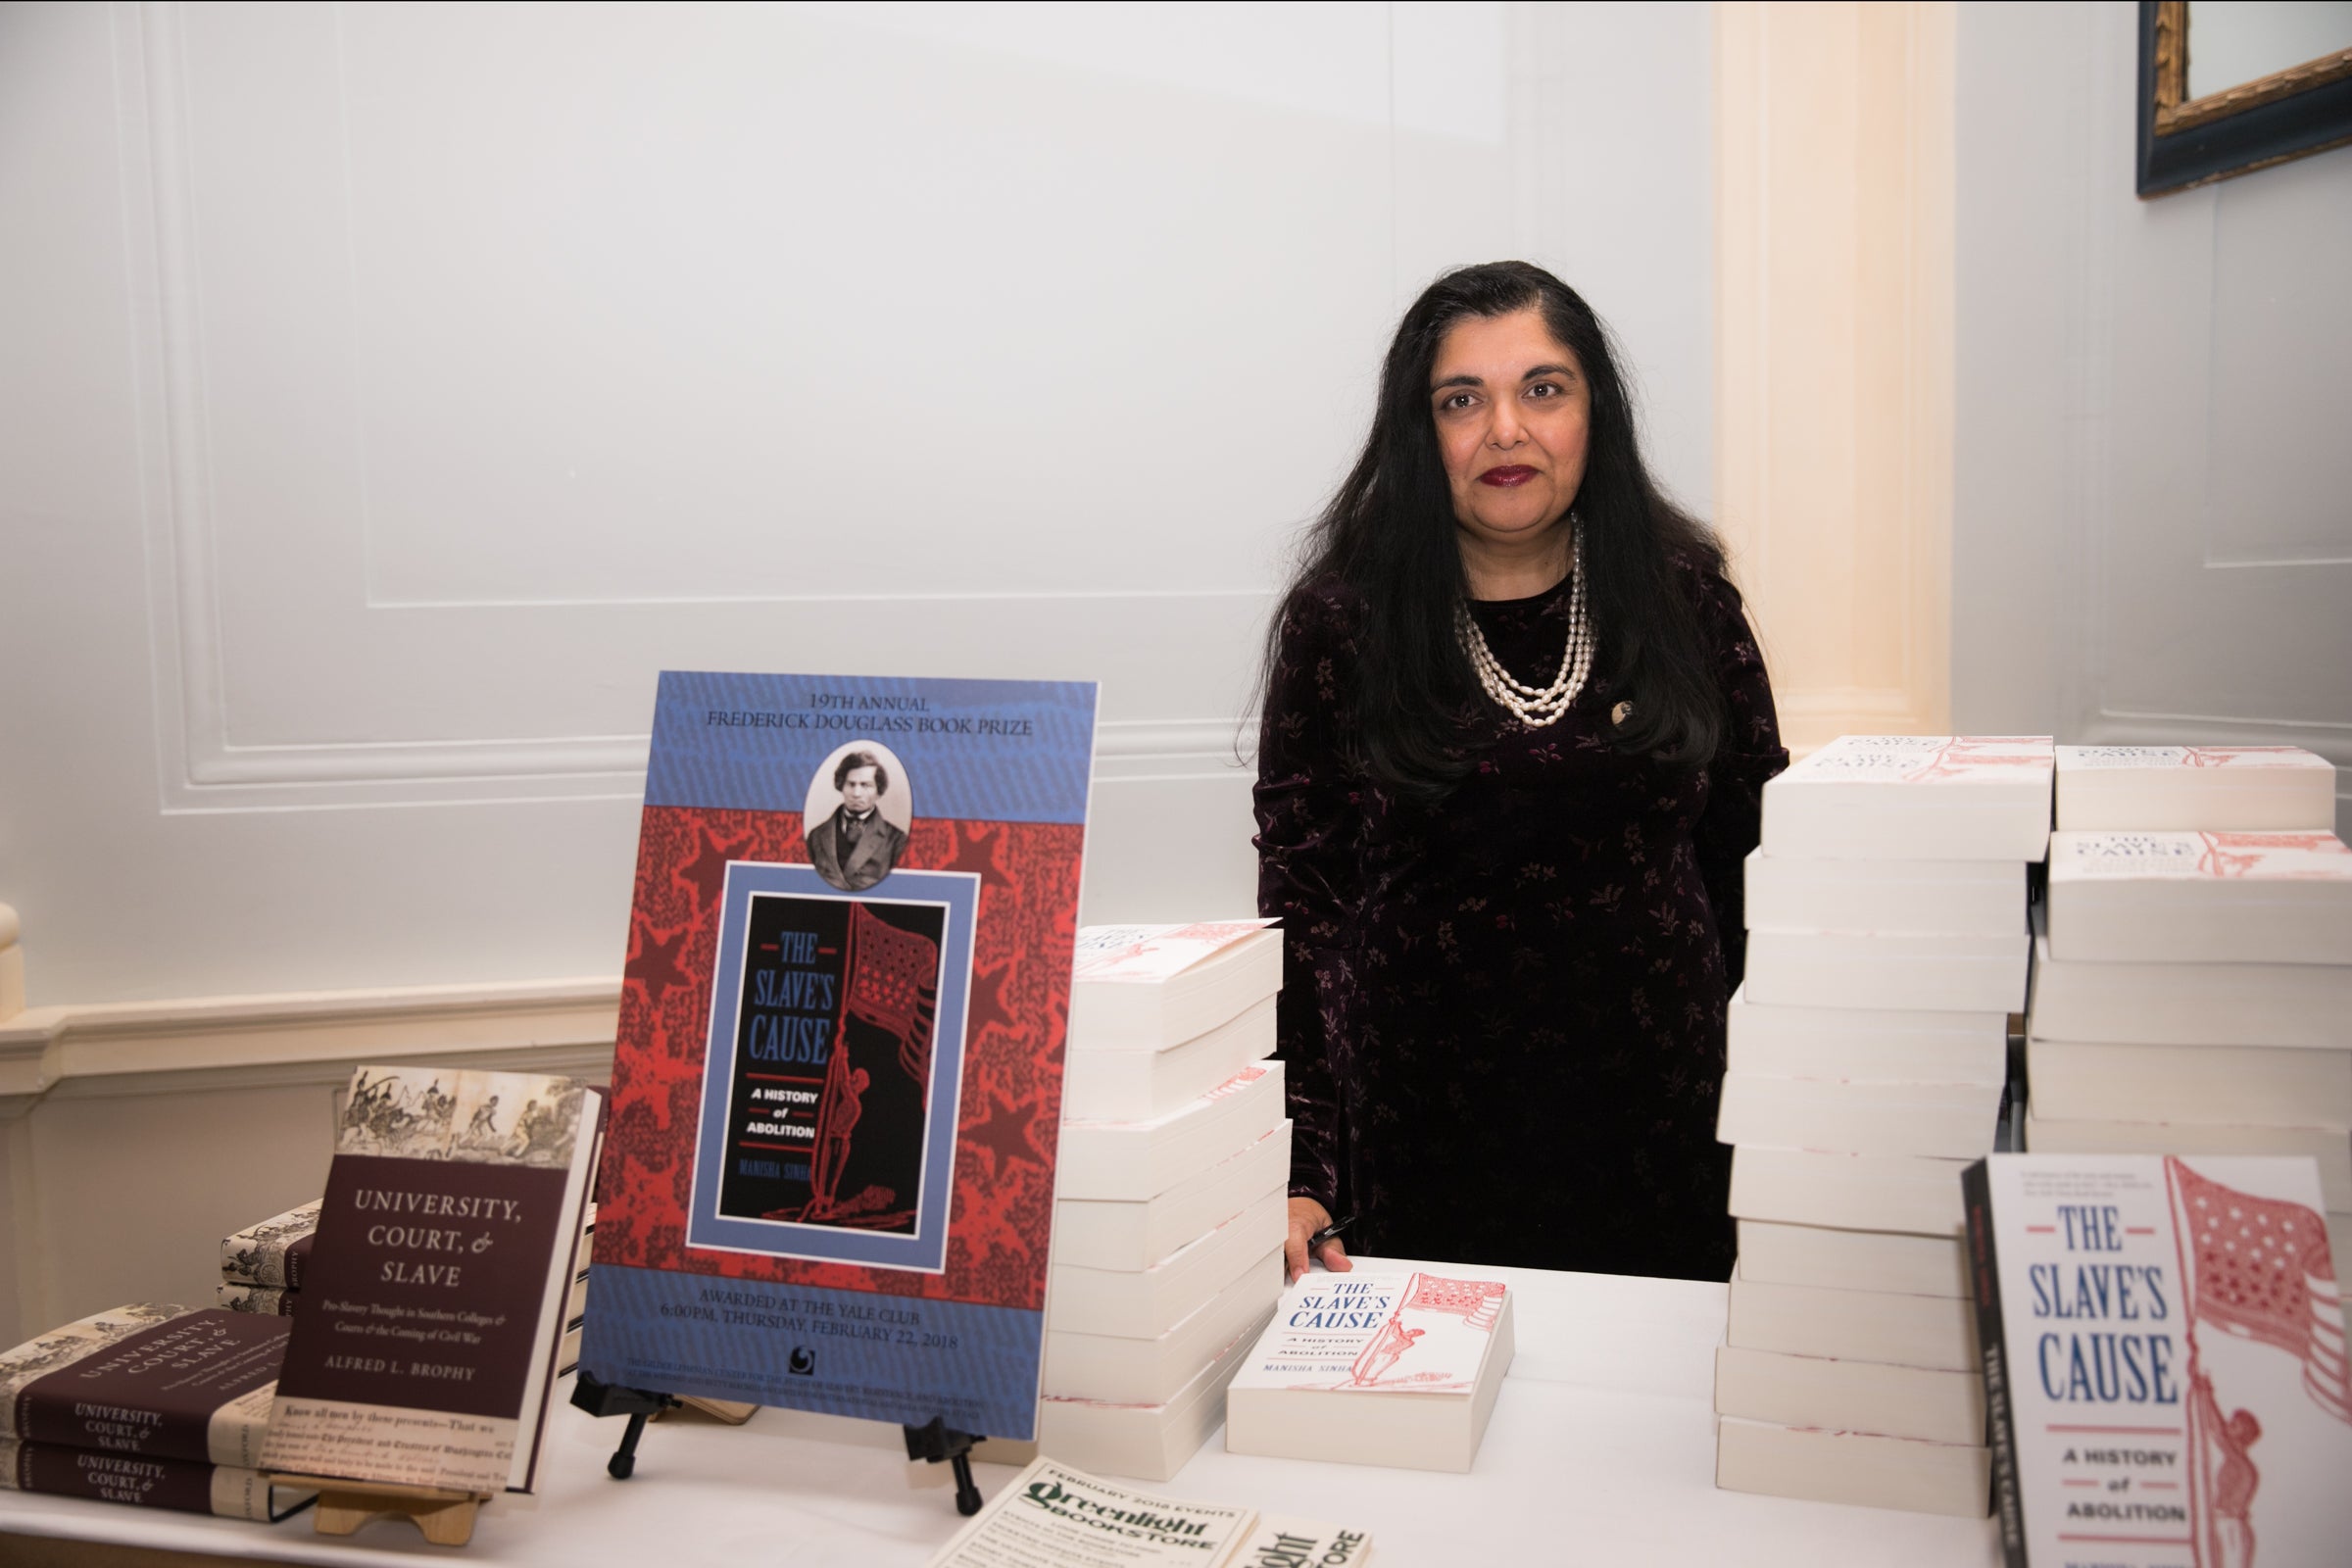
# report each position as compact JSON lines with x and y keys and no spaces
{"x":298,"y":1260}
{"x":1985,"y":1284}
{"x":271,"y":1301}
{"x":123,"y":1432}
{"x":184,"y":1485}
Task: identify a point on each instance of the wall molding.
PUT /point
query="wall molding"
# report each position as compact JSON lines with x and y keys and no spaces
{"x":202,"y":769}
{"x":303,"y":1038}
{"x":1835,"y":352}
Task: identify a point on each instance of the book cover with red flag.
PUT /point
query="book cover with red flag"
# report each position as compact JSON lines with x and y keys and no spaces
{"x":2164,"y":1359}
{"x":828,"y":1179}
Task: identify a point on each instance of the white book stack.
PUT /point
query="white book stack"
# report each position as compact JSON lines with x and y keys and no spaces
{"x":1171,"y":1192}
{"x":2193,"y":992}
{"x":1888,"y":946}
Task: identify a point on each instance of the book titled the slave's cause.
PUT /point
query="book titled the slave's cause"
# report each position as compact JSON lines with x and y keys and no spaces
{"x":434,"y":1305}
{"x":2164,"y":1360}
{"x":837,"y":1093}
{"x":1375,"y":1368}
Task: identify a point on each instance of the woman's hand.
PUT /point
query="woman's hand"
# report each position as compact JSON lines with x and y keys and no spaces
{"x":1306,"y":1218}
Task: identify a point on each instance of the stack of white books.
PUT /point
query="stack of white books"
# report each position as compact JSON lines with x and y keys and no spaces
{"x":1171,"y":1195}
{"x":1887,"y":947}
{"x":2193,"y":993}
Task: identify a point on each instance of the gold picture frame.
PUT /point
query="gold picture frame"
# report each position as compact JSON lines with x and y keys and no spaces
{"x":2185,"y":142}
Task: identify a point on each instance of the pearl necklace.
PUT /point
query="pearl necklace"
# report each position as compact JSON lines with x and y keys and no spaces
{"x":1535,"y":707}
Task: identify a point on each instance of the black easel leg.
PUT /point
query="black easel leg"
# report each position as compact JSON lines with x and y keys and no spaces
{"x":623,"y":1462}
{"x":601,"y":1399}
{"x":936,"y":1442}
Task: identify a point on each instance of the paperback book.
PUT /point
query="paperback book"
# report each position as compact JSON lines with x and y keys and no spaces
{"x":1122,"y":1369}
{"x":1915,"y":1192}
{"x":436,"y":1303}
{"x":2186,"y":788}
{"x":2266,"y":1085}
{"x":837,"y":1092}
{"x":1152,"y":987}
{"x":1375,"y":1368}
{"x":1914,"y":798}
{"x":2164,"y":1360}
{"x":1952,"y":898}
{"x":1867,"y":1469}
{"x":2151,"y":1003}
{"x":2200,"y":898}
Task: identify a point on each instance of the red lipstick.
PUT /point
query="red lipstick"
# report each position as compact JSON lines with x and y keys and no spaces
{"x":1507,"y":476}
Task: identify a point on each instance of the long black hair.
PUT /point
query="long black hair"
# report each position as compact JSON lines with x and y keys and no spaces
{"x":1389,"y":536}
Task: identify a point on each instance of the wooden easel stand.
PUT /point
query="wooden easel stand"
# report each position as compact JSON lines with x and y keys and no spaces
{"x":445,"y":1515}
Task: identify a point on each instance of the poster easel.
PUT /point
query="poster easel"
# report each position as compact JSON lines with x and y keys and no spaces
{"x":935,"y":1443}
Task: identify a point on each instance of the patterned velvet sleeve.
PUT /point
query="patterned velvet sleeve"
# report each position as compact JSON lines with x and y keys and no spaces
{"x":1309,"y":832}
{"x":1749,"y":753}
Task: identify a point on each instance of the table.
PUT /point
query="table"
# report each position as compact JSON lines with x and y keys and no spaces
{"x":1602,"y":1450}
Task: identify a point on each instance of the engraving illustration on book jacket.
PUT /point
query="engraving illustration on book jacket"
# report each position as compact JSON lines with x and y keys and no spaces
{"x":2258,"y":1269}
{"x":415,"y":1113}
{"x":263,"y":1253}
{"x":28,"y":1362}
{"x":2243,"y":854}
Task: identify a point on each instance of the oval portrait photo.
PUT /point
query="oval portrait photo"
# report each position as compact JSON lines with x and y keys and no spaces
{"x":857,"y":815}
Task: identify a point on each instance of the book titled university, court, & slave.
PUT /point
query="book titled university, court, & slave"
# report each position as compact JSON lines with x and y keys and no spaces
{"x":153,"y":1405}
{"x":436,"y":1300}
{"x":837,"y":1093}
{"x":2164,"y":1360}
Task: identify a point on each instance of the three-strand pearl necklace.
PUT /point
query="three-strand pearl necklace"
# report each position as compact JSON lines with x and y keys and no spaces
{"x":1535,"y":707}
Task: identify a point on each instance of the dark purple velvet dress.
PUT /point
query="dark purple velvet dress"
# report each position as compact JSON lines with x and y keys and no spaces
{"x":1502,"y":1019}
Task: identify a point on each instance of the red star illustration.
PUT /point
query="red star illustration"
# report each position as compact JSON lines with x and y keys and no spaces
{"x":707,"y":872}
{"x":1005,"y":1135}
{"x":978,"y":853}
{"x":990,"y":1235}
{"x":655,"y":965}
{"x":988,"y":1001}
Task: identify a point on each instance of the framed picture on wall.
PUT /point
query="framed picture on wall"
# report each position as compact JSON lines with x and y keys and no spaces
{"x":2226,"y":88}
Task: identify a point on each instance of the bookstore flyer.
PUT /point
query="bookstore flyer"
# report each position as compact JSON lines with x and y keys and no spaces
{"x":838,"y":1088}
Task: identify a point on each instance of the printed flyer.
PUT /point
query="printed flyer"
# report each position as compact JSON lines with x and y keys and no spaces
{"x":829,"y":1176}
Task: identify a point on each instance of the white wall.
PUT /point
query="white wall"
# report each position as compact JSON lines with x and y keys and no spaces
{"x":389,"y":392}
{"x":2153,"y":535}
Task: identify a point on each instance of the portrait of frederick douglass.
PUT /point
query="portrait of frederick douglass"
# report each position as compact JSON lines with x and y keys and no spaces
{"x":857,"y":825}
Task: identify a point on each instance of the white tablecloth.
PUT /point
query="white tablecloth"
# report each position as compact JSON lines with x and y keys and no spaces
{"x":1602,"y":1450}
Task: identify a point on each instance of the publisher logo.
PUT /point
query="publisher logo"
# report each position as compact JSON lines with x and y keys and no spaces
{"x":803,"y":1363}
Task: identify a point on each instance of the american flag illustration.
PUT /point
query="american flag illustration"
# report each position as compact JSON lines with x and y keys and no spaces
{"x":1479,"y":1301}
{"x":893,"y":981}
{"x":2261,"y":1270}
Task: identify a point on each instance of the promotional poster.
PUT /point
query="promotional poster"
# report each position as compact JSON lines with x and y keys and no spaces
{"x":829,"y":1177}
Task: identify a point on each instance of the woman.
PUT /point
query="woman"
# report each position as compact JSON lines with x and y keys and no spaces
{"x":1516,"y":730}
